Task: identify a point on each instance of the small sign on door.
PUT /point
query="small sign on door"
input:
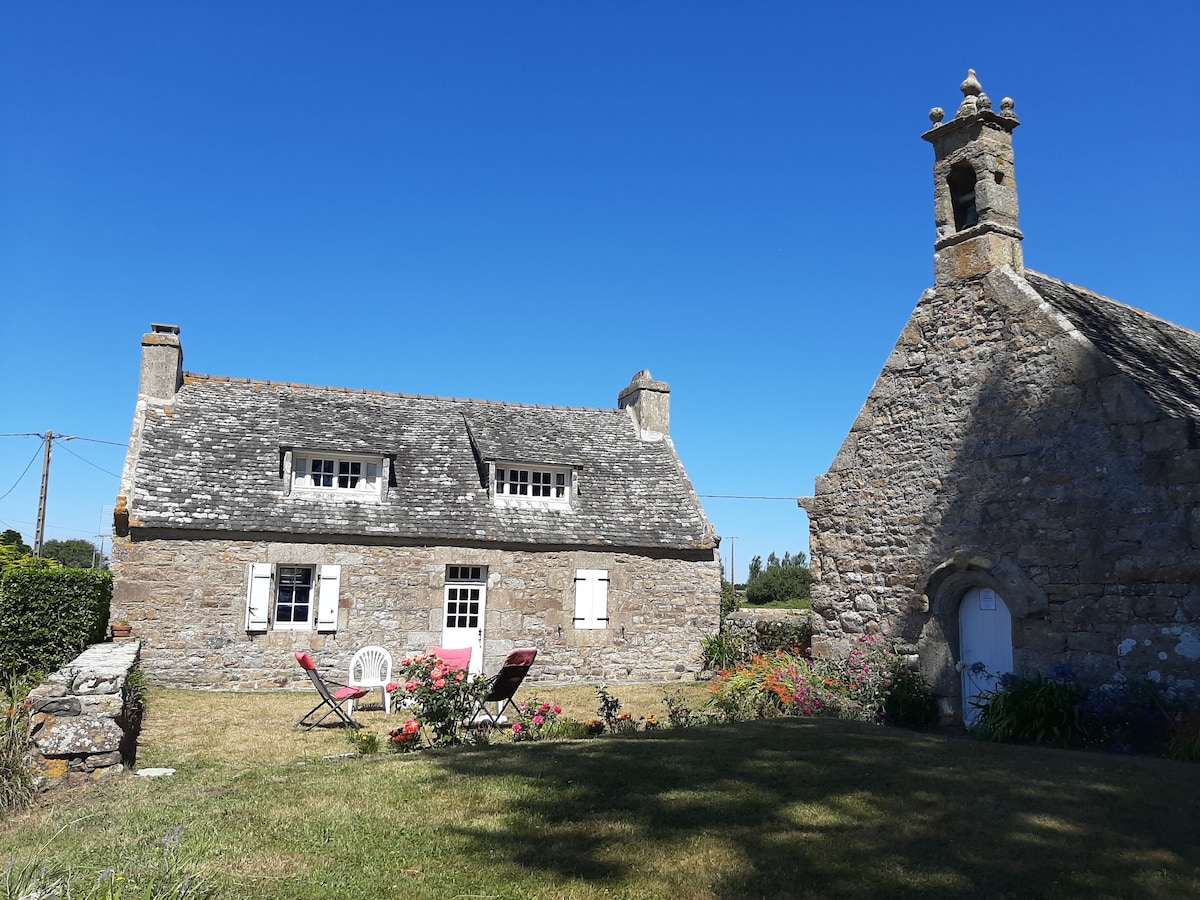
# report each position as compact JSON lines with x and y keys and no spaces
{"x":987,"y":598}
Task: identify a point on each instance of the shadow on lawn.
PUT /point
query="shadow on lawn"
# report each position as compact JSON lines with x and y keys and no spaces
{"x":818,"y":808}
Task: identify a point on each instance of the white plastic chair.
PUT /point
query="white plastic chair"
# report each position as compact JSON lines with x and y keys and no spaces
{"x":371,"y":667}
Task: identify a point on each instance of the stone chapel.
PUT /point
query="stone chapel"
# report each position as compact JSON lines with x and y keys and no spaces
{"x":1021,"y":489}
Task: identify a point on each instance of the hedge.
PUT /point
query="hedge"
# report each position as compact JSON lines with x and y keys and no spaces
{"x":48,"y":616}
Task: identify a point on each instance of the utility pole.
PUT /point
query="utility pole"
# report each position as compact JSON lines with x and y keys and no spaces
{"x":41,"y":516}
{"x":732,"y":563}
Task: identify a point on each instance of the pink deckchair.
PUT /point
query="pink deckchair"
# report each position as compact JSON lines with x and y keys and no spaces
{"x":453,"y":659}
{"x":331,"y":701}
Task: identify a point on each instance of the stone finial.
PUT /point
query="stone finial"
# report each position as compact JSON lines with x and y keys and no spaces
{"x":972,"y":90}
{"x":985,"y":102}
{"x":1008,"y":108}
{"x":936,"y":115}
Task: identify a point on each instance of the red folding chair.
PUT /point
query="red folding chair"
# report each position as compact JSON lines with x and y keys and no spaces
{"x":502,"y":686}
{"x":331,"y":701}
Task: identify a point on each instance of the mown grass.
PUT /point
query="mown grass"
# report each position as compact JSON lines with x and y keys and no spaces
{"x":805,"y":808}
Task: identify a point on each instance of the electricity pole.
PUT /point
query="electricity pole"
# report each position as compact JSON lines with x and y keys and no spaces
{"x":41,"y":517}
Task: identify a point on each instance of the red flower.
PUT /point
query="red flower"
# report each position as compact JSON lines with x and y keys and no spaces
{"x":392,"y":687}
{"x":412,"y":726}
{"x":410,"y":685}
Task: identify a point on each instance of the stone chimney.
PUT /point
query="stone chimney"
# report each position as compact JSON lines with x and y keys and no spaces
{"x":162,"y":363}
{"x":649,"y":403}
{"x":975,"y":187}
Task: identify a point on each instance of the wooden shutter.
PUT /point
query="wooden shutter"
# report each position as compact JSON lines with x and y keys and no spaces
{"x":258,"y":596}
{"x":591,"y":598}
{"x":327,"y":598}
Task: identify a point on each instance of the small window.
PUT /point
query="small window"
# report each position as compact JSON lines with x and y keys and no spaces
{"x":464,"y":573}
{"x":292,"y":598}
{"x":337,"y":475}
{"x":541,"y":485}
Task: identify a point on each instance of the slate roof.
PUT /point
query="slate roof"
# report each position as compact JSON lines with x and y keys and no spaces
{"x":1162,"y":357}
{"x":212,"y":461}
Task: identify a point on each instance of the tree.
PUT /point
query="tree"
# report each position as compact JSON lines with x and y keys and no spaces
{"x":12,"y":538}
{"x":755,"y":569}
{"x":72,"y":554}
{"x":781,"y":582}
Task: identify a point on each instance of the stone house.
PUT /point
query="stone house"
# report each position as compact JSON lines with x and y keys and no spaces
{"x":258,"y":518}
{"x":1022,"y":486}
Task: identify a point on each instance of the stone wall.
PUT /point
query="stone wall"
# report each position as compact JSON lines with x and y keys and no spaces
{"x":769,"y":630}
{"x":187,"y":602}
{"x":85,"y":719}
{"x":999,"y":449}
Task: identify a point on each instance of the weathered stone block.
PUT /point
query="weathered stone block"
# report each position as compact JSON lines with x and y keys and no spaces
{"x":78,"y":736}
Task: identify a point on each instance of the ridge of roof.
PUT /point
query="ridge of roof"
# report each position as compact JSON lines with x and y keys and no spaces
{"x":1160,"y":356}
{"x":1134,"y":309}
{"x":193,"y":377}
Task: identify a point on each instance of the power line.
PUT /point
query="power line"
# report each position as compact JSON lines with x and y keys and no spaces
{"x":742,"y":497}
{"x":89,"y":462}
{"x":22,"y":475}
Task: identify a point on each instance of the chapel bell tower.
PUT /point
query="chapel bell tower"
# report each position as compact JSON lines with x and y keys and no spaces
{"x":975,"y":189}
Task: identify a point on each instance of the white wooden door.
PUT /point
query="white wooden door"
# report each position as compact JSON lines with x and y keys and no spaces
{"x":985,"y":645}
{"x":463,"y":617}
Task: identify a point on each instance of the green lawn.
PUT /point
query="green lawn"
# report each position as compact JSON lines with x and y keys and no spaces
{"x":773,"y":809}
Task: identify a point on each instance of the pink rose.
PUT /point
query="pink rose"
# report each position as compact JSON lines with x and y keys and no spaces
{"x":410,"y":685}
{"x":517,"y":729}
{"x":412,"y":726}
{"x":439,"y":683}
{"x":538,"y":720}
{"x":558,"y":710}
{"x":392,"y":687}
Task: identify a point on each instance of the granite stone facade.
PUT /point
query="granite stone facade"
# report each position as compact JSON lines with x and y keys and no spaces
{"x":257,"y":518}
{"x":1027,"y":440}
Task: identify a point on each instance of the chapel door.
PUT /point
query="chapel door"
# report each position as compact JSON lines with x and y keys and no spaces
{"x":985,"y":645}
{"x":463,"y":612}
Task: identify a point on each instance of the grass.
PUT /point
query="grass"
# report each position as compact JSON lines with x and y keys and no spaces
{"x":783,"y":808}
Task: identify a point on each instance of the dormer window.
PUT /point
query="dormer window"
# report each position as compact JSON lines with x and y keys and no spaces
{"x":533,"y":486}
{"x":337,"y":475}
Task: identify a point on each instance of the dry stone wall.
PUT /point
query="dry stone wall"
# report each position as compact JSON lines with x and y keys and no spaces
{"x":187,"y":602}
{"x":85,"y":718}
{"x":999,"y":448}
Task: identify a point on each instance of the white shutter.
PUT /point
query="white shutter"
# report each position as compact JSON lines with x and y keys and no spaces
{"x":591,"y":598}
{"x":327,"y":598}
{"x":258,"y":596}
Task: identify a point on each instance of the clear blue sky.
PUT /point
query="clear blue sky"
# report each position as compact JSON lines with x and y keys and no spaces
{"x":532,"y":201}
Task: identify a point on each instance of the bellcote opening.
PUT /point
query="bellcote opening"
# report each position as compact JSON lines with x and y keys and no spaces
{"x":961,"y":181}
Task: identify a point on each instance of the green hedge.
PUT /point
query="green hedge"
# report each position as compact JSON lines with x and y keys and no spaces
{"x":48,"y":616}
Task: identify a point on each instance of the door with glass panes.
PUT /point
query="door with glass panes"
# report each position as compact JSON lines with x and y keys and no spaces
{"x":463,"y":611}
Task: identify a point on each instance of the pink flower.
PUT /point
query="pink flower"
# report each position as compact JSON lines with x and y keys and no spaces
{"x":392,"y":687}
{"x":460,"y":676}
{"x":538,"y":720}
{"x":558,"y":710}
{"x":517,"y":729}
{"x":407,"y":661}
{"x":412,"y":726}
{"x":544,"y":708}
{"x":410,"y":685}
{"x":438,"y":671}
{"x":439,"y":683}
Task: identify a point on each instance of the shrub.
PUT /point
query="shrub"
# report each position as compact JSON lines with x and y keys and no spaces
{"x":679,"y":714}
{"x":729,"y":599}
{"x":442,"y":697}
{"x":535,"y":721}
{"x":1127,"y":718}
{"x":16,"y":778}
{"x":865,"y":685}
{"x":570,"y":729}
{"x":779,"y":584}
{"x":1031,"y":710}
{"x":48,"y":616}
{"x":1184,"y":740}
{"x":724,"y":650}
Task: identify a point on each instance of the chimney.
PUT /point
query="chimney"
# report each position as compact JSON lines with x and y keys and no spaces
{"x":162,"y":363}
{"x":649,"y":402}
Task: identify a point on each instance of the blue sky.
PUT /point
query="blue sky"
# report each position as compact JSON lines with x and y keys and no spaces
{"x":532,"y":201}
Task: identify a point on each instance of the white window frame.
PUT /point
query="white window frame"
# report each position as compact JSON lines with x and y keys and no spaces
{"x":262,"y":597}
{"x":348,"y":476}
{"x":591,"y":598}
{"x":526,"y":484}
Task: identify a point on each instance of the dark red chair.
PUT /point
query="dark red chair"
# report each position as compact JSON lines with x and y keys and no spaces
{"x":331,"y":701}
{"x":502,"y":687}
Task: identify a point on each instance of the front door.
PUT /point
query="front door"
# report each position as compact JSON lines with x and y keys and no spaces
{"x":985,"y":642}
{"x":463,"y":612}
